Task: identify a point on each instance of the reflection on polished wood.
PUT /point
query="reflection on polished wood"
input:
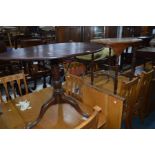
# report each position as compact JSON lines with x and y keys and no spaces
{"x":51,"y":51}
{"x":57,"y":116}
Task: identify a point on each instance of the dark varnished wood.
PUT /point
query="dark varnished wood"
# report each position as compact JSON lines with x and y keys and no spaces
{"x":147,"y":51}
{"x":30,"y":42}
{"x":2,"y":47}
{"x":51,"y":51}
{"x":146,"y":54}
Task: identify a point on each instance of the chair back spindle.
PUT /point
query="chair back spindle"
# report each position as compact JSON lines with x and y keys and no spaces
{"x":143,"y":92}
{"x":12,"y":83}
{"x":128,"y":90}
{"x":73,"y":85}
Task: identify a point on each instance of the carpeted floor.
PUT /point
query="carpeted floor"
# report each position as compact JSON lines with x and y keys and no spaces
{"x":149,"y":122}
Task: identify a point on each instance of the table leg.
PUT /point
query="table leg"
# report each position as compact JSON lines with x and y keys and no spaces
{"x":41,"y":114}
{"x":133,"y":63}
{"x":92,"y":69}
{"x":58,"y":96}
{"x":44,"y":76}
{"x":116,"y":75}
{"x":70,"y":100}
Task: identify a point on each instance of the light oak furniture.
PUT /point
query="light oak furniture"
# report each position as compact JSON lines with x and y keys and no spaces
{"x":129,"y":92}
{"x":111,"y":105}
{"x":73,"y":86}
{"x":58,"y":116}
{"x":92,"y":121}
{"x":143,"y":92}
{"x":110,"y":116}
{"x":14,"y":81}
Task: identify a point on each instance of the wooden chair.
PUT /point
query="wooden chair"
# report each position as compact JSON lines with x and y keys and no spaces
{"x":128,"y":90}
{"x":110,"y":116}
{"x":14,"y":82}
{"x":92,"y":121}
{"x":111,"y":105}
{"x":73,"y":85}
{"x":100,"y":58}
{"x":75,"y":68}
{"x":142,"y":93}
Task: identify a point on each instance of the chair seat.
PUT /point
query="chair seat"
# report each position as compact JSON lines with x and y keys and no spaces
{"x":97,"y":56}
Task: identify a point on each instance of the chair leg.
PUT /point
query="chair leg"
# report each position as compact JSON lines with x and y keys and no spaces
{"x":44,"y":82}
{"x":50,"y":80}
{"x":35,"y":84}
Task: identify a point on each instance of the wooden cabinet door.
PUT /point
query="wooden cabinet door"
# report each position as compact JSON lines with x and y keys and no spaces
{"x":68,"y":33}
{"x":111,"y":31}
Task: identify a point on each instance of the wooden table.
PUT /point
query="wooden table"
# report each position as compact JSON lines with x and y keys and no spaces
{"x":57,"y":116}
{"x":119,"y":45}
{"x":146,"y":54}
{"x":56,"y":53}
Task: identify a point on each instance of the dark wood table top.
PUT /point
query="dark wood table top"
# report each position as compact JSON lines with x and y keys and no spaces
{"x":51,"y":51}
{"x":146,"y":52}
{"x":147,"y":49}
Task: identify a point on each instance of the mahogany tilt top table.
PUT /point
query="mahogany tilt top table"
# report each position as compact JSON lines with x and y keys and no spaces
{"x":55,"y":53}
{"x":51,"y":51}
